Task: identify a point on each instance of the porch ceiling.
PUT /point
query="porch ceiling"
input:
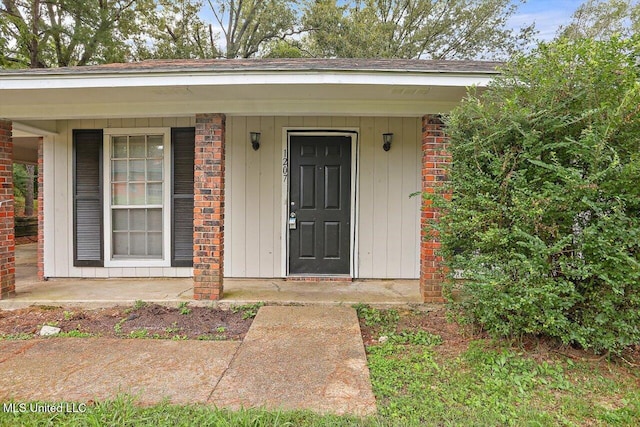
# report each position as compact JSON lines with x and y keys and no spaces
{"x":36,"y":104}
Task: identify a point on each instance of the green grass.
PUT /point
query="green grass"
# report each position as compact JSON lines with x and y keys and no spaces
{"x":249,"y":311}
{"x":123,"y":412}
{"x":75,"y":334}
{"x":416,"y":383}
{"x":16,"y":337}
{"x":492,"y":383}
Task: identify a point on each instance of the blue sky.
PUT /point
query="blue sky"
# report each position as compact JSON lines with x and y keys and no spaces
{"x":548,"y":15}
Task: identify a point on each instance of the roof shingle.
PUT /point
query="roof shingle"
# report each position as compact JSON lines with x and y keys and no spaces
{"x":290,"y":64}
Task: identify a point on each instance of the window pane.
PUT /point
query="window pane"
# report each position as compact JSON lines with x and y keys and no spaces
{"x":138,"y":219}
{"x":154,"y":170}
{"x":137,"y":146}
{"x":121,"y":244}
{"x":155,"y":146}
{"x":119,"y":194}
{"x":154,"y":244}
{"x":154,"y":219}
{"x":154,"y":194}
{"x":136,"y":194}
{"x":120,"y":219}
{"x":137,"y":175}
{"x":119,"y":147}
{"x":138,"y":243}
{"x":136,"y":170}
{"x":118,"y":170}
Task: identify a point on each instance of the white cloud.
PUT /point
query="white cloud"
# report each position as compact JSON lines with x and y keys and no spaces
{"x":546,"y":23}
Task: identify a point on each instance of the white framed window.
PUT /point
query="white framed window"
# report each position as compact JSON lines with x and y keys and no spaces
{"x":137,"y":208}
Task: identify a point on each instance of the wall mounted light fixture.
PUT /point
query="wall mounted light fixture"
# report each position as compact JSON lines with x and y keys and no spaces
{"x":255,"y":140}
{"x":387,"y":138}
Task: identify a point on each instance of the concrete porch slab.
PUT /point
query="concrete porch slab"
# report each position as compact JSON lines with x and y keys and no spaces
{"x":94,"y":293}
{"x":300,"y":358}
{"x":80,"y":369}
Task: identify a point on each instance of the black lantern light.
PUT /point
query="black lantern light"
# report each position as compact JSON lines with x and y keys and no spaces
{"x":387,"y":138}
{"x":255,"y":140}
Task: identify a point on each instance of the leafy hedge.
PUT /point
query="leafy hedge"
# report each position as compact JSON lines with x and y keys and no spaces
{"x":544,"y":221}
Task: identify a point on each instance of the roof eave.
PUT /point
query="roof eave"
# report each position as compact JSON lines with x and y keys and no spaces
{"x":223,"y":78}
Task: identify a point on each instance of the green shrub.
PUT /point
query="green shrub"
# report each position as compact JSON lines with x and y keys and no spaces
{"x":544,"y":218}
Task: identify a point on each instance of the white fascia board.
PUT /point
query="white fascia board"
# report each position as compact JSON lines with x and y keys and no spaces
{"x":63,"y":81}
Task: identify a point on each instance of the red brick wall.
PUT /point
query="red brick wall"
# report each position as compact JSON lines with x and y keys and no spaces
{"x":40,"y":210}
{"x":435,"y":158}
{"x":208,"y":214}
{"x":7,"y":236}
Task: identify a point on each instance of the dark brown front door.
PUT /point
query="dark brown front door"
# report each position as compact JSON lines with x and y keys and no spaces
{"x":320,"y":204}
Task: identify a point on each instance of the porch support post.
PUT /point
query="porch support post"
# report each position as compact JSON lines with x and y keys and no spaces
{"x":7,"y":233}
{"x":435,"y":158}
{"x":208,"y":213}
{"x":41,"y":209}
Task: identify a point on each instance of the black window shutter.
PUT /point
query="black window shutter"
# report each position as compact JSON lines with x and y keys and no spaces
{"x":87,"y":199}
{"x":183,"y":152}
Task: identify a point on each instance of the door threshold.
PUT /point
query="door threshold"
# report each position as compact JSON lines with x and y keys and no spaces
{"x":309,"y":278}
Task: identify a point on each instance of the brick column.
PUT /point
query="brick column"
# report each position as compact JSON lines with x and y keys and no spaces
{"x":7,"y":236}
{"x":208,"y":210}
{"x":435,"y":158}
{"x":41,"y":209}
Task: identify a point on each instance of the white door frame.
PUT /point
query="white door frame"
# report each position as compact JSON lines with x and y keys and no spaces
{"x":354,"y":134}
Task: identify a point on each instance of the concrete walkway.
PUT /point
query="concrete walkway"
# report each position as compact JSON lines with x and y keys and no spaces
{"x":94,"y":293}
{"x":300,"y":358}
{"x":309,"y":357}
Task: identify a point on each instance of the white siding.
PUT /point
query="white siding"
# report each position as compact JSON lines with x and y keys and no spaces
{"x":58,"y":203}
{"x":388,"y":222}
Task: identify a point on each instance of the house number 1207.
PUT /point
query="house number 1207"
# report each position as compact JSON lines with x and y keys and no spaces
{"x":285,"y":165}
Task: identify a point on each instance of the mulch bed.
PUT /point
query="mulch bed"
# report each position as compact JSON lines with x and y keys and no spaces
{"x":151,"y":320}
{"x":208,"y":323}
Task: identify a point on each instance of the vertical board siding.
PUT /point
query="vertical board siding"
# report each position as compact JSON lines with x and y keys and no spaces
{"x":395,"y":198}
{"x":381,"y":202}
{"x":388,"y":224}
{"x":253,"y":213}
{"x":278,"y":200}
{"x":366,"y":193}
{"x":411,"y":135}
{"x":268,"y":216}
{"x":48,"y":147}
{"x":62,"y":206}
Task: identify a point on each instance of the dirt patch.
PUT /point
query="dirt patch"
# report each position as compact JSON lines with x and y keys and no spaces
{"x":143,"y":321}
{"x":455,"y":338}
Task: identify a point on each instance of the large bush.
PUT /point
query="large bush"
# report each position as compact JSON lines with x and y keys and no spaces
{"x":544,"y":221}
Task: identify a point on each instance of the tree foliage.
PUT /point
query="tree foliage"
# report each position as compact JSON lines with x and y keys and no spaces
{"x":59,"y":33}
{"x":248,"y":25}
{"x":175,"y":30}
{"x":544,"y":221}
{"x":600,"y":19}
{"x":455,"y":29}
